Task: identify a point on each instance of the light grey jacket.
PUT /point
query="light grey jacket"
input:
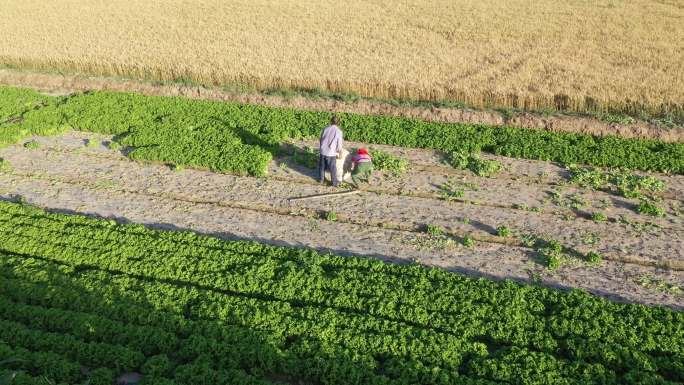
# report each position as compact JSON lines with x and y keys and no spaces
{"x":331,"y":141}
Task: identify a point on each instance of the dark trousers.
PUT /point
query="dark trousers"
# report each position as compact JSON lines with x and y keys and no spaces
{"x":328,"y":163}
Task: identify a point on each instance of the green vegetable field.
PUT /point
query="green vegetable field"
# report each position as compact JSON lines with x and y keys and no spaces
{"x":85,"y":299}
{"x":242,"y":139}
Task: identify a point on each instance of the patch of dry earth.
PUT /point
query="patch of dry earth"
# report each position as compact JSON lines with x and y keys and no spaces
{"x":64,"y":174}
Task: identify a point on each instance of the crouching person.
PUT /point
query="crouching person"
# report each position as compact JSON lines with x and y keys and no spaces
{"x":362,"y":166}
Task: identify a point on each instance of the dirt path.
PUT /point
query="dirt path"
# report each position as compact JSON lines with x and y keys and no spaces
{"x":65,"y":84}
{"x":65,"y":174}
{"x":390,"y":210}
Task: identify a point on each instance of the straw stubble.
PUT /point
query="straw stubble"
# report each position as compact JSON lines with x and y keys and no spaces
{"x":536,"y":54}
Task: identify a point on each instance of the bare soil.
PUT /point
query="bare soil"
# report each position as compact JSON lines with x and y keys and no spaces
{"x":386,"y":219}
{"x":61,"y":84}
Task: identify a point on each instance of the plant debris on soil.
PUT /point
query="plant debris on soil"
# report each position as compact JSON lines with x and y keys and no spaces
{"x":385,"y":220}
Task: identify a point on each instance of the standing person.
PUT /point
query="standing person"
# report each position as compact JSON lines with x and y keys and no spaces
{"x":330,"y":147}
{"x":362,"y":166}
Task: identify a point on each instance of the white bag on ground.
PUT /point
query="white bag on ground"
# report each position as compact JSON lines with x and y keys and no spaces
{"x":343,"y":167}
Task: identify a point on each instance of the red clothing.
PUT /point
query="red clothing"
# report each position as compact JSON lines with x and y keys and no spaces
{"x":360,"y":158}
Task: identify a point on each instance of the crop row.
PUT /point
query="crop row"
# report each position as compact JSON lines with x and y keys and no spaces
{"x":175,"y":304}
{"x":90,"y":327}
{"x":302,"y":279}
{"x":299,"y":354}
{"x":242,"y":139}
{"x":85,"y":311}
{"x":299,"y":335}
{"x":78,"y":327}
{"x":214,"y":351}
{"x":18,"y":117}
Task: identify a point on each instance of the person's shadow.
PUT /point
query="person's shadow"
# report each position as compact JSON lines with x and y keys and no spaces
{"x":248,"y":137}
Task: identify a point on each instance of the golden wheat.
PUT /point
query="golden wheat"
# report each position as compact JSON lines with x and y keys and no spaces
{"x":575,"y":54}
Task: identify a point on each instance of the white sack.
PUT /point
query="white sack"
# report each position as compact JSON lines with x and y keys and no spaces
{"x":343,"y":167}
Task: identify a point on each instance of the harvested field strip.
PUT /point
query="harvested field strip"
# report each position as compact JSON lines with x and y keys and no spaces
{"x":615,"y":281}
{"x":244,"y":138}
{"x":566,"y":214}
{"x":557,"y":178}
{"x":662,"y":263}
{"x":254,"y":311}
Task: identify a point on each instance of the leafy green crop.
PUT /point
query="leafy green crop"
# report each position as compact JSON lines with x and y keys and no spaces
{"x":331,"y":216}
{"x":25,"y":113}
{"x":161,"y":129}
{"x":649,"y":207}
{"x":618,"y":181}
{"x":308,"y":157}
{"x":83,"y":300}
{"x":385,"y":161}
{"x":452,"y":189}
{"x":242,"y":138}
{"x":503,"y":231}
{"x":652,"y":282}
{"x":550,"y":251}
{"x":14,"y":102}
{"x":467,"y":241}
{"x":473,"y":162}
{"x":32,"y":145}
{"x":434,"y":230}
{"x":623,"y":183}
{"x":594,"y":257}
{"x":484,"y":167}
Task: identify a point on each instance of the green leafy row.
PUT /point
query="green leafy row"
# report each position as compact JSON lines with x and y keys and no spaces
{"x":90,"y":327}
{"x":88,"y":353}
{"x":243,"y":138}
{"x":473,"y":162}
{"x":214,"y":310}
{"x":51,"y":365}
{"x":391,"y":163}
{"x":220,"y":347}
{"x":19,"y":117}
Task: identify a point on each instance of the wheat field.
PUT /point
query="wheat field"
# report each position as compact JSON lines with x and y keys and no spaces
{"x":576,"y":55}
